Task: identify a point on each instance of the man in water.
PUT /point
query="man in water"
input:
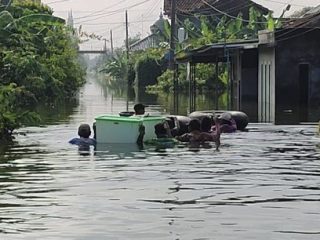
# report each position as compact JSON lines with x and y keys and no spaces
{"x":164,"y":138}
{"x":227,"y":123}
{"x":196,"y":136}
{"x":139,"y":109}
{"x":84,"y":139}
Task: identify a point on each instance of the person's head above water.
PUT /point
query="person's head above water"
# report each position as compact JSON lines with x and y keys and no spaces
{"x":225,"y":118}
{"x":206,"y":124}
{"x":84,"y":130}
{"x":160,"y":130}
{"x":139,"y":109}
{"x":194,"y":125}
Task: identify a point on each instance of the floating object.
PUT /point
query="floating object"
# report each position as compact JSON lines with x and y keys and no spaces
{"x":119,"y":129}
{"x":126,"y":114}
{"x":183,"y":123}
{"x":240,"y":118}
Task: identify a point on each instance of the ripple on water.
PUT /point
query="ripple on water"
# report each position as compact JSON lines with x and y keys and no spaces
{"x":262,"y":184}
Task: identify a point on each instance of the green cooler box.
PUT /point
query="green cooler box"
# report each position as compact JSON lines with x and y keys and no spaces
{"x":117,"y":129}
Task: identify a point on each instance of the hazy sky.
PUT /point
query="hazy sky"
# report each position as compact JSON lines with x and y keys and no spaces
{"x":100,"y":16}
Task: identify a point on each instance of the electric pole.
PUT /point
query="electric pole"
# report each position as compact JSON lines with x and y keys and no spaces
{"x":127,"y":35}
{"x":172,"y":63}
{"x":105,"y":46}
{"x":173,"y":33}
{"x":127,"y":48}
{"x":141,"y":24}
{"x":111,"y":42}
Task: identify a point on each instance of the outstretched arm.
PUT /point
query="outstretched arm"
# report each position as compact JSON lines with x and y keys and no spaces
{"x":142,"y":130}
{"x":167,"y":128}
{"x":217,"y":133}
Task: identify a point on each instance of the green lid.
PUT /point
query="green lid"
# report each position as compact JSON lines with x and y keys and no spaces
{"x":132,"y":119}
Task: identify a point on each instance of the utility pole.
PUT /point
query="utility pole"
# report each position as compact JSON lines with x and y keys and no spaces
{"x":105,"y":46}
{"x":141,"y":24}
{"x":127,"y":35}
{"x":173,"y":34}
{"x":172,"y":63}
{"x":111,"y":42}
{"x":127,"y":48}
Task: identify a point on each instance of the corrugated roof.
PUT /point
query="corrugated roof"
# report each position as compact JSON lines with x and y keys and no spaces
{"x":198,"y":6}
{"x":201,"y":54}
{"x":311,"y":21}
{"x":313,"y":11}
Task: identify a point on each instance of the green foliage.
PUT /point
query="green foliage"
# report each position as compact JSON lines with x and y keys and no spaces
{"x":147,"y":70}
{"x":13,"y":112}
{"x":121,"y":71}
{"x":228,"y":29}
{"x":116,"y":66}
{"x":208,"y":32}
{"x":164,"y":82}
{"x":38,"y":62}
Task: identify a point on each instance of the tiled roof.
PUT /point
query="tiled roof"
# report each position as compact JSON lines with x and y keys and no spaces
{"x":313,"y":11}
{"x":194,"y":6}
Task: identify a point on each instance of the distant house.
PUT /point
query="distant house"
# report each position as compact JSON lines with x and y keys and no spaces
{"x":151,"y":41}
{"x":275,"y":78}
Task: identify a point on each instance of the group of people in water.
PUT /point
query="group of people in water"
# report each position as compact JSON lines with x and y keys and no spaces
{"x":205,"y":129}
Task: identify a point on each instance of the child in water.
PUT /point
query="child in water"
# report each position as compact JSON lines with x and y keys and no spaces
{"x":84,"y":139}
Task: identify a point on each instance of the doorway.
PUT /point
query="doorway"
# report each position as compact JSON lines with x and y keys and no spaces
{"x":304,"y":92}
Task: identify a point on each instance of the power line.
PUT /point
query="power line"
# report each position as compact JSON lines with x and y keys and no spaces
{"x":58,"y":1}
{"x":99,"y":11}
{"x":283,"y":3}
{"x":298,"y":26}
{"x":153,"y":8}
{"x":112,"y":23}
{"x":297,"y":35}
{"x":230,"y":16}
{"x":238,"y":7}
{"x":101,"y":15}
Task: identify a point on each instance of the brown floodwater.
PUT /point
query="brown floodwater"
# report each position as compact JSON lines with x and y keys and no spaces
{"x":262,"y":184}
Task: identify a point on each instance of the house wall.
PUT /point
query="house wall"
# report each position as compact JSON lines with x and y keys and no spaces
{"x":296,"y":47}
{"x":249,"y":84}
{"x":266,"y":85}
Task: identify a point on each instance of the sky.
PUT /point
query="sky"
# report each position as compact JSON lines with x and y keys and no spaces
{"x":101,"y":16}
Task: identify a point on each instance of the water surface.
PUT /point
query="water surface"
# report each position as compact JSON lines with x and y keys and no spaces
{"x":262,"y":184}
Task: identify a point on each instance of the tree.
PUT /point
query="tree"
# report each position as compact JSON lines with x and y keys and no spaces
{"x":38,"y":62}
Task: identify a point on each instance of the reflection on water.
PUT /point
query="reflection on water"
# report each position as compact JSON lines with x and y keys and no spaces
{"x":262,"y":184}
{"x":164,"y":100}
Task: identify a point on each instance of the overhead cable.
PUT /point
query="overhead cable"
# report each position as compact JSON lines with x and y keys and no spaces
{"x":99,"y":11}
{"x":101,"y":15}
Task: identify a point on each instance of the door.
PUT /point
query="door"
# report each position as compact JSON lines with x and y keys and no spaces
{"x":304,"y":92}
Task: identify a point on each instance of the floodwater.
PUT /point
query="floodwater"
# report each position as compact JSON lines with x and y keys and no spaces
{"x":262,"y":184}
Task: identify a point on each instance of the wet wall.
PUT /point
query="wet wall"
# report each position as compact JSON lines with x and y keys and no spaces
{"x":249,"y":84}
{"x":297,"y":47}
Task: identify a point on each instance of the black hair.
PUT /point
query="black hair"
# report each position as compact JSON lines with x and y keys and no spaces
{"x":194,"y":125}
{"x":84,"y":130}
{"x":159,"y":130}
{"x":139,"y":108}
{"x":206,"y":124}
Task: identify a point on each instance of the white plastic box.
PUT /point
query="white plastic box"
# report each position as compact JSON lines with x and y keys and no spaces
{"x":117,"y":129}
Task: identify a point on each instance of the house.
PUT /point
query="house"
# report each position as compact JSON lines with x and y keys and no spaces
{"x":275,"y":78}
{"x":152,"y":40}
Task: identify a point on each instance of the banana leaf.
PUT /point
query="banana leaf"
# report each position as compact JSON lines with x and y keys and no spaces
{"x":36,"y":17}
